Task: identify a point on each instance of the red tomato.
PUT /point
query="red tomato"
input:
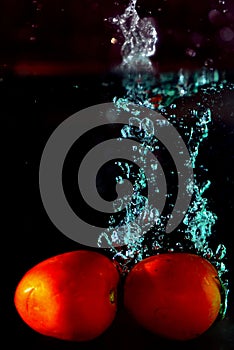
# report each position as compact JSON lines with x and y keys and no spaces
{"x":175,"y":295}
{"x":71,"y":296}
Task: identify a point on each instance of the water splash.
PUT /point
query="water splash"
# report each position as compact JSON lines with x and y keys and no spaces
{"x":162,"y":94}
{"x":140,"y":38}
{"x":171,"y":86}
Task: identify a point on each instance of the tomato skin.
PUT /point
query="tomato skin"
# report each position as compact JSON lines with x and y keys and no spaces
{"x":174,"y":295}
{"x":71,"y":296}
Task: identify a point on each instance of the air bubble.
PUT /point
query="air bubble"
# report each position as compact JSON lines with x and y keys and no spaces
{"x":190,"y":52}
{"x":209,"y":62}
{"x":179,"y":246}
{"x":148,"y":126}
{"x":226,"y":34}
{"x":220,"y":252}
{"x":139,"y":85}
{"x":208,"y":253}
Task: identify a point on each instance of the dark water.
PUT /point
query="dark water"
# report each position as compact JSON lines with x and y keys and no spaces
{"x":31,"y":108}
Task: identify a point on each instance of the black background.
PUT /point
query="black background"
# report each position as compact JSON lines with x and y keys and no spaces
{"x":38,"y":90}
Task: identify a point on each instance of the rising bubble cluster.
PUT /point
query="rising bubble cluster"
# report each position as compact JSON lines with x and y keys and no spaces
{"x":134,"y":242}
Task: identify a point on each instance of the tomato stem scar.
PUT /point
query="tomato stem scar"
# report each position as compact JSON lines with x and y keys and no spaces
{"x":112,"y":296}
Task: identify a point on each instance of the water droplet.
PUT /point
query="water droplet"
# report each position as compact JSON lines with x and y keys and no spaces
{"x":190,"y":52}
{"x":114,"y":41}
{"x":208,"y":253}
{"x":156,"y":246}
{"x":220,"y":251}
{"x":170,"y":250}
{"x":154,"y":166}
{"x":226,"y":34}
{"x":209,"y":62}
{"x":148,"y":126}
{"x":179,"y":246}
{"x":127,"y":132}
{"x":223,"y":268}
{"x":215,"y":16}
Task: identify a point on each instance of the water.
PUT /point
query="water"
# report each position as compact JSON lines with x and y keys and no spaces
{"x":140,"y":38}
{"x":132,"y":244}
{"x":36,"y":13}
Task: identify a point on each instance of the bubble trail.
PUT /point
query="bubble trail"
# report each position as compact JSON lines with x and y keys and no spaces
{"x":142,"y":88}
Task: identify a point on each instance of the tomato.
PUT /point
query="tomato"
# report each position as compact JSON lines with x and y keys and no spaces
{"x":71,"y":296}
{"x":174,"y":295}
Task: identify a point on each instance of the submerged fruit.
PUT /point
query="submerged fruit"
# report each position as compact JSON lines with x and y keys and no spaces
{"x":175,"y":295}
{"x":71,"y":296}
